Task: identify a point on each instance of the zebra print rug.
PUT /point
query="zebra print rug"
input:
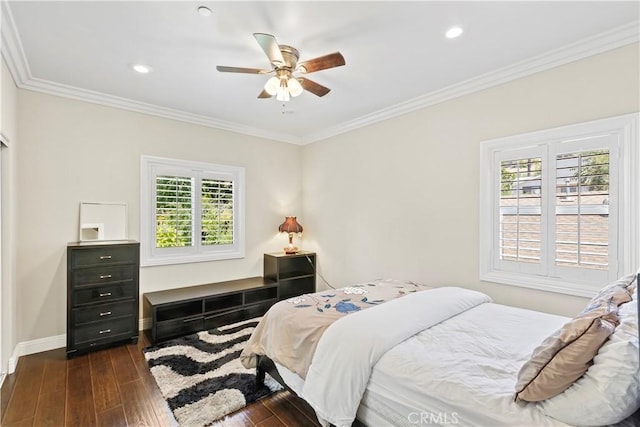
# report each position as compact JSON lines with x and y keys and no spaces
{"x":201,"y":377}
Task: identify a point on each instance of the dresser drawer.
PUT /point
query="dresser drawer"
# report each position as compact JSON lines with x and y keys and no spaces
{"x":99,"y":275}
{"x":103,"y":312}
{"x":104,"y":331}
{"x":109,"y":254}
{"x":104,"y":293}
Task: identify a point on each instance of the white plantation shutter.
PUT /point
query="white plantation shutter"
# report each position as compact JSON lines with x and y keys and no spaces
{"x":174,"y":211}
{"x":519,"y":221}
{"x":217,"y":212}
{"x":190,"y":211}
{"x":521,"y":210}
{"x":582,"y":210}
{"x":584,"y":233}
{"x":559,"y":208}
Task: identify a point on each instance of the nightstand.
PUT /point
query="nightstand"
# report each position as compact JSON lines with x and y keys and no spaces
{"x":295,"y":274}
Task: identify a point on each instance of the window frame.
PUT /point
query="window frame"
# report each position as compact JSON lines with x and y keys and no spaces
{"x":627,"y":204}
{"x":150,"y":255}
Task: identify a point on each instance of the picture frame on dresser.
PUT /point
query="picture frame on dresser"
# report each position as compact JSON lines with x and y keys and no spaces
{"x":102,"y":295}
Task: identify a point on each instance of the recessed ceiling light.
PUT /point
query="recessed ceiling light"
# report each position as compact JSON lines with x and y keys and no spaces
{"x":142,"y":69}
{"x":453,"y":32}
{"x":204,"y":11}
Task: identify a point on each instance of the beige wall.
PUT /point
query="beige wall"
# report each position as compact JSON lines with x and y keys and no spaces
{"x":407,"y":187}
{"x":8,"y":97}
{"x":73,"y":151}
{"x":399,"y":198}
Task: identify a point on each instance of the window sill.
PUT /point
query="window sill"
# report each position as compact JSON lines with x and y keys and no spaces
{"x":177,"y":259}
{"x":542,"y":283}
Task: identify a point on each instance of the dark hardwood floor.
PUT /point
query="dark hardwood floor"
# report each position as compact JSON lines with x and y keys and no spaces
{"x":114,"y":387}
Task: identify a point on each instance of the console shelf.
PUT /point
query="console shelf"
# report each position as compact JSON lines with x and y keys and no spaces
{"x":177,"y":312}
{"x":181,"y":311}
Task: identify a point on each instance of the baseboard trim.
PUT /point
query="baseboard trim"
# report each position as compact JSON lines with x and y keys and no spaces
{"x":25,"y":348}
{"x":12,"y":363}
{"x":42,"y":344}
{"x":145,"y":323}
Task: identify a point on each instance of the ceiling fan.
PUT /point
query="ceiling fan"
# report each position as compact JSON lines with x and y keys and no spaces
{"x":284,"y":62}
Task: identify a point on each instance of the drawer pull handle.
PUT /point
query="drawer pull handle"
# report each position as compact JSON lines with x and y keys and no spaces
{"x":105,"y":276}
{"x":105,"y":257}
{"x":106,"y":331}
{"x":105,"y":294}
{"x":106,"y":313}
{"x":190,"y":320}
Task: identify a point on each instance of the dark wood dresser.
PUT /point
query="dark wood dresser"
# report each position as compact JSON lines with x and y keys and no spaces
{"x":102,"y":294}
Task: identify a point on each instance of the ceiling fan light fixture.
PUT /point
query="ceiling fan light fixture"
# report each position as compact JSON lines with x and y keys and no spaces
{"x":295,"y":88}
{"x":272,"y":85}
{"x":283,"y":94}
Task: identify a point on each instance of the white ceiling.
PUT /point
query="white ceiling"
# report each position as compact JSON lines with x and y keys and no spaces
{"x":397,"y":58}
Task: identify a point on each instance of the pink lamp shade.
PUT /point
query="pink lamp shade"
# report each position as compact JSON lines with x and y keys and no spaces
{"x":290,"y":225}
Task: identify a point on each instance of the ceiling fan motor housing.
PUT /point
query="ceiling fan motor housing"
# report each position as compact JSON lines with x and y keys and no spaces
{"x":290,"y":55}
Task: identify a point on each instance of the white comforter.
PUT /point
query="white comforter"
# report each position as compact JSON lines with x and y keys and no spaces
{"x":463,"y":370}
{"x":351,"y":346}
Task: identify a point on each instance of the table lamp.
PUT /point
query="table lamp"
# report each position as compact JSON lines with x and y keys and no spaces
{"x":290,"y":225}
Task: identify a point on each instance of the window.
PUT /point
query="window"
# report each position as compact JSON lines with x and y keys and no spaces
{"x":559,"y":208}
{"x":190,"y":211}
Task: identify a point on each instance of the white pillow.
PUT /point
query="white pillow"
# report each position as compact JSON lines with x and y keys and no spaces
{"x":610,"y":389}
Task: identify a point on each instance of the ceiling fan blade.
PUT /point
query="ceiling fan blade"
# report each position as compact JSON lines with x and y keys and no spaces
{"x":321,"y":63}
{"x":224,"y":69}
{"x":270,"y":46}
{"x":264,"y":94}
{"x":313,"y":87}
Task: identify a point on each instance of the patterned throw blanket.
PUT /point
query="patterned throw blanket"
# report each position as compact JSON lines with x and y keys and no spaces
{"x":290,"y":331}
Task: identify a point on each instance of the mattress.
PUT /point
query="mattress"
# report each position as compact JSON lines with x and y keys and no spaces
{"x":462,"y":371}
{"x":459,"y":372}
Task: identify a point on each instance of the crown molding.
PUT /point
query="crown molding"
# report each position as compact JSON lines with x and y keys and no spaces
{"x":13,"y":53}
{"x":71,"y":92}
{"x":11,"y":46}
{"x":590,"y":46}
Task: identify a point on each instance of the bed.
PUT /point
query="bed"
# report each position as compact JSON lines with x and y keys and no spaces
{"x":457,"y":361}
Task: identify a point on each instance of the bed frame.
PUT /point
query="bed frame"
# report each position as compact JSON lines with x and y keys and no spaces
{"x":265,"y":365}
